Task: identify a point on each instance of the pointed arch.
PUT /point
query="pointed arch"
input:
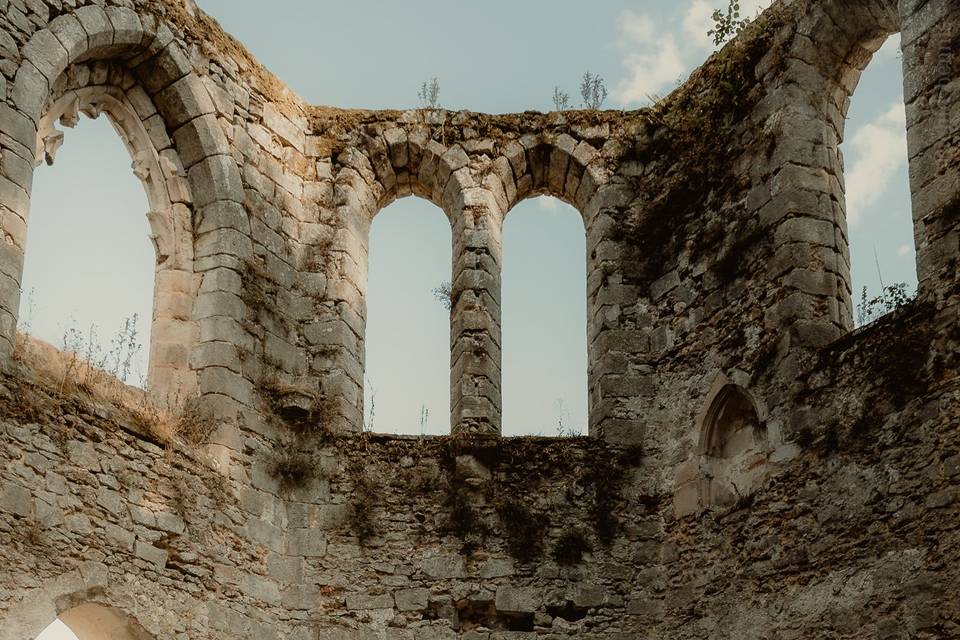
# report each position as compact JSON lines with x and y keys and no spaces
{"x":179,"y":117}
{"x":733,"y":449}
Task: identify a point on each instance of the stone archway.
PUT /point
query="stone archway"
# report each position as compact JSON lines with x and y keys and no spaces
{"x":169,"y":196}
{"x":187,"y":116}
{"x":98,"y":622}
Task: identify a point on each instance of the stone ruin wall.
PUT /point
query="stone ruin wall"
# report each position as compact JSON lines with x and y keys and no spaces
{"x":754,"y":468}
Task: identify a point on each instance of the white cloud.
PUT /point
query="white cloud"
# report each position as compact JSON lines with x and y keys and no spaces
{"x":648,"y":73}
{"x":697,"y":21}
{"x":548,"y":203}
{"x":904,"y":250}
{"x":879,"y":150}
{"x":635,"y":27}
{"x":658,"y":52}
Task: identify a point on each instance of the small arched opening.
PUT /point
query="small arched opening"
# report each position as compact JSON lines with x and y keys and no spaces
{"x":94,"y":622}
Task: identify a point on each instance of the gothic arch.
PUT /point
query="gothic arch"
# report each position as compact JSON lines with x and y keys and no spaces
{"x":186,"y":123}
{"x":732,"y":451}
{"x":397,"y":164}
{"x":730,"y":422}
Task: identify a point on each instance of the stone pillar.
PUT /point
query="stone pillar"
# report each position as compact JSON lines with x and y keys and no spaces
{"x":475,"y":374}
{"x":16,"y":177}
{"x":930,"y":40}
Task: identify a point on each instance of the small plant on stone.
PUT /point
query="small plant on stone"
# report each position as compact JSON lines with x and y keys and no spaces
{"x":891,"y":298}
{"x":523,"y":529}
{"x":727,"y":24}
{"x":291,"y":469}
{"x":32,"y":532}
{"x":429,"y":94}
{"x":593,"y":91}
{"x":564,"y":428}
{"x":444,"y":294}
{"x":372,"y":412}
{"x":362,"y":519}
{"x":463,"y":519}
{"x":561,"y":99}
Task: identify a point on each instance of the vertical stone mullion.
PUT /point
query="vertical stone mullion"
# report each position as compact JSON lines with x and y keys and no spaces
{"x":931,"y":66}
{"x":475,"y":337}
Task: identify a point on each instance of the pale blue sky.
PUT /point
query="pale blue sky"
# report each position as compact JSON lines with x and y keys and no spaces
{"x":92,"y":261}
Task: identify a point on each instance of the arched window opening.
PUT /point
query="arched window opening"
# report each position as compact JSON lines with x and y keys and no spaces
{"x":407,"y":342}
{"x":544,"y":320}
{"x":88,"y":278}
{"x":882,"y":258}
{"x":57,"y":631}
{"x":94,"y":622}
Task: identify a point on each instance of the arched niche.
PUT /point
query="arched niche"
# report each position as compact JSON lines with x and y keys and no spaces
{"x":733,"y":449}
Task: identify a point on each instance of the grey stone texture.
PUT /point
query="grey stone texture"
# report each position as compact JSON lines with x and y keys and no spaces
{"x":755,"y":468}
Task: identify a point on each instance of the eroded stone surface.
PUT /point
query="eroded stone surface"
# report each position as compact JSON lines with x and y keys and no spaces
{"x":717,"y":258}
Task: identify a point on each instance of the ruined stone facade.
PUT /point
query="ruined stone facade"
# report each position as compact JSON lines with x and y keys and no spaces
{"x":754,"y":468}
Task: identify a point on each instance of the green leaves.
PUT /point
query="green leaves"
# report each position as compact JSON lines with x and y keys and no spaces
{"x":727,"y":25}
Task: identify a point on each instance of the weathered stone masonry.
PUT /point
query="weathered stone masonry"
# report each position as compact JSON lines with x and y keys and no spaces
{"x":754,"y":468}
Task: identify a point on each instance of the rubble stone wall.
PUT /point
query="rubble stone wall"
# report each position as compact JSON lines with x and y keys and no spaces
{"x":754,"y":467}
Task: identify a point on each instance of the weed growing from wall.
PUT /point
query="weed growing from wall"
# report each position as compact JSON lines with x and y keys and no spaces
{"x":571,"y":547}
{"x":362,"y":520}
{"x":523,"y":529}
{"x":292,"y":469}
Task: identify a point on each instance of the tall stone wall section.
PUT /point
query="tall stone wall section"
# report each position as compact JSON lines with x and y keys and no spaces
{"x":754,"y":467}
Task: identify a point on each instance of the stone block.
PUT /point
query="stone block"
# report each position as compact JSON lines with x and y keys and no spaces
{"x":444,"y":567}
{"x":16,"y":500}
{"x":97,"y":26}
{"x":510,"y":599}
{"x":46,"y":53}
{"x":362,"y":601}
{"x":308,"y":542}
{"x":184,"y":100}
{"x":29,"y":90}
{"x":127,"y":29}
{"x":70,"y":34}
{"x":811,"y":230}
{"x":283,"y":127}
{"x":215,"y":178}
{"x":151,"y":554}
{"x":412,"y":599}
{"x":199,"y":138}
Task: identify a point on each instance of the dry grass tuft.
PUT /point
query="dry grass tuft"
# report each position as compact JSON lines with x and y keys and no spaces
{"x":68,"y":375}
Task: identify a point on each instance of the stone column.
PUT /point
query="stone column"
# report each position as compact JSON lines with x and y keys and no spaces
{"x":475,"y":375}
{"x":16,"y":177}
{"x":930,"y":41}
